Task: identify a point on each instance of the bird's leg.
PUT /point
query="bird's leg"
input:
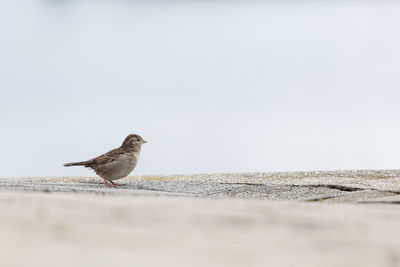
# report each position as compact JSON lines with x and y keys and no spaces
{"x":114,"y":184}
{"x":106,"y":182}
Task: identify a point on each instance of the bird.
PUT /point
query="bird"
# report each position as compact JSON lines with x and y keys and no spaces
{"x":117,"y":163}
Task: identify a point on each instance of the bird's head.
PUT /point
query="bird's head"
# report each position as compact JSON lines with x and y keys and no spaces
{"x":133,"y":140}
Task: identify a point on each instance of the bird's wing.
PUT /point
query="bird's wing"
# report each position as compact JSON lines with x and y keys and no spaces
{"x":108,"y":157}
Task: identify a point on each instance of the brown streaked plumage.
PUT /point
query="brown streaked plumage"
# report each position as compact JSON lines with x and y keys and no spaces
{"x":116,"y":163}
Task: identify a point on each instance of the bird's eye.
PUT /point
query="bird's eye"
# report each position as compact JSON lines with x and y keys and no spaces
{"x":138,"y":139}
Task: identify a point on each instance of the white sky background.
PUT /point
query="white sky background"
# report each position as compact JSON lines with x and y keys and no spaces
{"x":226,"y":86}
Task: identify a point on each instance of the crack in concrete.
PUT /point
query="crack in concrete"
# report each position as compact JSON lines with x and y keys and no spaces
{"x":380,"y":202}
{"x":329,"y":186}
{"x":337,"y":187}
{"x":341,"y":188}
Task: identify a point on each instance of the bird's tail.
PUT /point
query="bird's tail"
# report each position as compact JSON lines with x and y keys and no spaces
{"x":81,"y":163}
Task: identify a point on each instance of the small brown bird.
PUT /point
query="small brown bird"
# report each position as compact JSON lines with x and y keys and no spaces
{"x":117,"y":163}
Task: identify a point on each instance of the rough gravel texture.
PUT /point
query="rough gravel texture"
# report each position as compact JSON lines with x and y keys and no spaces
{"x":345,"y":186}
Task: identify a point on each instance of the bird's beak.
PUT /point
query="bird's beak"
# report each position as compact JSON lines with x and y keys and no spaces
{"x":144,"y":141}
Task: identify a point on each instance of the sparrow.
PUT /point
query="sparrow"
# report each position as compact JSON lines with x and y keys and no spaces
{"x":116,"y":163}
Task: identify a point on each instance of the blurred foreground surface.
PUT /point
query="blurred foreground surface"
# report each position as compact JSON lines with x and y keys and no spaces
{"x":326,"y":219}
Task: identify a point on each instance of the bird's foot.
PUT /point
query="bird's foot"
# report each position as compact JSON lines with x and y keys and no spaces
{"x":114,"y":184}
{"x":107,"y":184}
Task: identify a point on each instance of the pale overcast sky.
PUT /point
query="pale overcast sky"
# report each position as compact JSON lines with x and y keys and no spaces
{"x":226,"y":86}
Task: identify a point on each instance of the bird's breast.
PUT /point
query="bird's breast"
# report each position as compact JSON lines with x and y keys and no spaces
{"x":122,"y":166}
